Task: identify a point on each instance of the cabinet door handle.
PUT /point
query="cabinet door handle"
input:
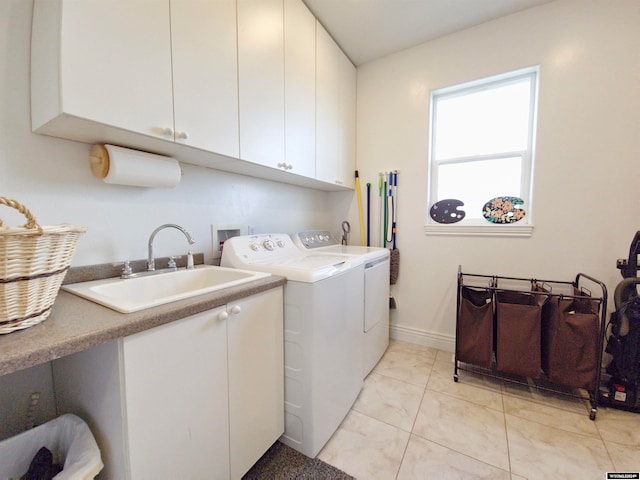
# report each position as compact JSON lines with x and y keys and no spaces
{"x":223,"y":316}
{"x":168,"y":132}
{"x":236,"y":309}
{"x":182,"y":136}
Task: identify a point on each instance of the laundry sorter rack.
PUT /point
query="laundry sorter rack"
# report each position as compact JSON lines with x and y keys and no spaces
{"x":542,"y":333}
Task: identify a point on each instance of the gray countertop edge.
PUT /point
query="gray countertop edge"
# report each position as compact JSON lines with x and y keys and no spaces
{"x":76,"y":324}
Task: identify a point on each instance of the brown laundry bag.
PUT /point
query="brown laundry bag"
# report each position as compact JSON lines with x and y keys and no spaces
{"x":571,"y":346}
{"x":549,"y":328}
{"x":518,"y":320}
{"x":474,"y":341}
{"x":586,"y":303}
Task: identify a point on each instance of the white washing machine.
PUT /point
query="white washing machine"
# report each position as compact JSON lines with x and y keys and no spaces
{"x":323,"y":308}
{"x":375,"y":322}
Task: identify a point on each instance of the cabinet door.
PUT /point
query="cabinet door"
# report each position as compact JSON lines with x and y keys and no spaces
{"x":256,"y":377}
{"x":176,"y":399}
{"x":335,"y":129}
{"x":261,"y":81}
{"x":347,"y":119}
{"x":115,"y":60}
{"x":326,"y":108}
{"x":300,"y":88}
{"x":205,"y":74}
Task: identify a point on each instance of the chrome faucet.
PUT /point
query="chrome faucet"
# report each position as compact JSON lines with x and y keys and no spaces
{"x":151,"y":264}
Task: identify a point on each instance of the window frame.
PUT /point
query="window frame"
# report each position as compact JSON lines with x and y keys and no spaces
{"x":480,"y":226}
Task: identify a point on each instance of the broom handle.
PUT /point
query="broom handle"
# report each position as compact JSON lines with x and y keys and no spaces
{"x":395,"y":206}
{"x":380,"y":214}
{"x":368,"y":214}
{"x":384,"y":225}
{"x":360,"y":208}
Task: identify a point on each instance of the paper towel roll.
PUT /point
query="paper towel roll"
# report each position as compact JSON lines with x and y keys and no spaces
{"x":123,"y":166}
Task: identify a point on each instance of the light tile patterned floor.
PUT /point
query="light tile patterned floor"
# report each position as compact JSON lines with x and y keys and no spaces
{"x":412,"y":421}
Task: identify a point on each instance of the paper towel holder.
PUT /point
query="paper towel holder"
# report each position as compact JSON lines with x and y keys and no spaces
{"x":101,"y":163}
{"x":99,"y":157}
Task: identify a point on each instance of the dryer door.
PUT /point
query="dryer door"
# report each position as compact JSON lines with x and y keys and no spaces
{"x":376,"y":293}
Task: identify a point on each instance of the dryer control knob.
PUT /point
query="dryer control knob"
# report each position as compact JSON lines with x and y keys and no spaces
{"x":254,"y":247}
{"x":280,"y":243}
{"x":269,"y":245}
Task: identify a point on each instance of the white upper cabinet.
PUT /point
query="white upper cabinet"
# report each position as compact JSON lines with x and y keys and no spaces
{"x":104,"y":60}
{"x":335,"y":112}
{"x":208,"y":82}
{"x":300,"y":88}
{"x":205,"y":74}
{"x":326,"y":107}
{"x":347,"y":84}
{"x":261,"y":80}
{"x":138,"y":64}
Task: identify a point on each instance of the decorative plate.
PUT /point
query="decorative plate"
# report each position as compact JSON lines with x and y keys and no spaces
{"x":446,"y":211}
{"x":503,"y":210}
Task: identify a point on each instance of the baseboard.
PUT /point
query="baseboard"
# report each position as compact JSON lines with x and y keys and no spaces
{"x":422,"y":337}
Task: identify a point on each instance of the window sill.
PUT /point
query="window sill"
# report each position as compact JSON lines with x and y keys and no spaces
{"x":489,"y":230}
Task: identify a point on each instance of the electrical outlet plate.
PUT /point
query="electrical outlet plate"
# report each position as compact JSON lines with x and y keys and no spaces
{"x":220,"y":233}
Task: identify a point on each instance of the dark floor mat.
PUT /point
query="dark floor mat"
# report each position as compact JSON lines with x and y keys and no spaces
{"x":318,"y":470}
{"x":281,"y":462}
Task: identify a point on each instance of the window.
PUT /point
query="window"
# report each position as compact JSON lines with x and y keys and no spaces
{"x":482,"y":138}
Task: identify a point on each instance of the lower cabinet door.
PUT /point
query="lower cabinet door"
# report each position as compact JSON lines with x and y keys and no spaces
{"x":256,"y":377}
{"x":176,"y":399}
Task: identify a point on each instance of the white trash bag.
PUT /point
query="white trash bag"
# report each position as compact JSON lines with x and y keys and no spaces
{"x":67,"y":437}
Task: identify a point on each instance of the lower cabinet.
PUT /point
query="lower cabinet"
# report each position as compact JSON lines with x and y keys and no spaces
{"x":201,"y":397}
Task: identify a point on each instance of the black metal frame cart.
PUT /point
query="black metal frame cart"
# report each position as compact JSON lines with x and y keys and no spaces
{"x":543,"y":333}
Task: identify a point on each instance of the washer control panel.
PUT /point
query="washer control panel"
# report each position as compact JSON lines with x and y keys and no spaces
{"x":261,"y":248}
{"x":316,"y":238}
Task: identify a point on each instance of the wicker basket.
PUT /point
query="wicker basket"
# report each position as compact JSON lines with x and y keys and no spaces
{"x":33,"y":262}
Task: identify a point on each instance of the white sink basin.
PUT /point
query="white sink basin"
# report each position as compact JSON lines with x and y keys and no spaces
{"x":138,"y":293}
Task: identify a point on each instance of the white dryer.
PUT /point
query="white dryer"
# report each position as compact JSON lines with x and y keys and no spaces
{"x":375,"y":322}
{"x":323,"y":309}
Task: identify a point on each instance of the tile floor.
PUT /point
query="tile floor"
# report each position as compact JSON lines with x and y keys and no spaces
{"x":412,"y":421}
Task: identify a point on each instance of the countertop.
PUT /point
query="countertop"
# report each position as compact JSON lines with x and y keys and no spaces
{"x":76,"y":324}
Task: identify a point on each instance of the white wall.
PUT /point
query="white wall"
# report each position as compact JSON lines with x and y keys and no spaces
{"x":52,"y":177}
{"x":587,"y":167}
{"x":15,"y":399}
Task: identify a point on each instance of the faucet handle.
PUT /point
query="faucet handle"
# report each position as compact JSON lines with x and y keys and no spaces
{"x":126,"y":269}
{"x":172,"y":261}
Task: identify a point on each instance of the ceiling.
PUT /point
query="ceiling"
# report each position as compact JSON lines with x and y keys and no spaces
{"x":370,"y":29}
